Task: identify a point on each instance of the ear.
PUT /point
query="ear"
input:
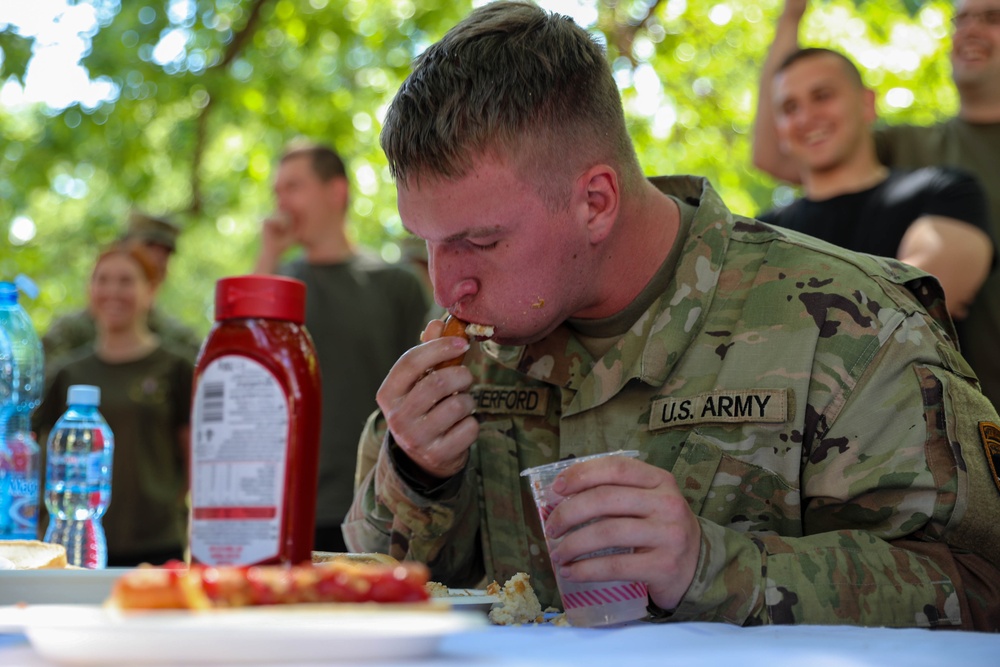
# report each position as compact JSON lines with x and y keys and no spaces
{"x":337,"y":192}
{"x":600,"y":196}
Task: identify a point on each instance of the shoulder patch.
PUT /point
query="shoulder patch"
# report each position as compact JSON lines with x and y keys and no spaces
{"x":989,"y":433}
{"x":497,"y":400}
{"x":722,"y":406}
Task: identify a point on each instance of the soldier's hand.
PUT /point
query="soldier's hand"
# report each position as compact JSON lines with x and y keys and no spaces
{"x":277,"y":234}
{"x":640,"y":506}
{"x":429,"y":412}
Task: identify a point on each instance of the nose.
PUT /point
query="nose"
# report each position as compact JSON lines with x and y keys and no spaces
{"x":449,"y":272}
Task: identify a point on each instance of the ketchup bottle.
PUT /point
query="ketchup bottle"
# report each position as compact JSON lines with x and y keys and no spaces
{"x":255,"y":423}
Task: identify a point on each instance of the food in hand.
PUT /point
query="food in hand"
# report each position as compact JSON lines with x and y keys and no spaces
{"x":456,"y":327}
{"x":31,"y":555}
{"x":480,"y":331}
{"x":176,"y":586}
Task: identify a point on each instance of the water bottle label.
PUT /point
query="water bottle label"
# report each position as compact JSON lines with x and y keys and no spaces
{"x":95,"y":468}
{"x":240,"y":421}
{"x":21,"y":504}
{"x":19,"y":461}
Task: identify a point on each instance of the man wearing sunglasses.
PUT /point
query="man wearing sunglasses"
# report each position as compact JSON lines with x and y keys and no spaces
{"x":970,"y":141}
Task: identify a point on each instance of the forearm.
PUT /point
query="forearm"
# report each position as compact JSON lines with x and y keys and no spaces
{"x":267,"y":262}
{"x":391,"y":517}
{"x":766,"y":149}
{"x":958,"y":254}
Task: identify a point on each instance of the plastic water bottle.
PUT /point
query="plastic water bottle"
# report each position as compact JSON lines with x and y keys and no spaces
{"x":6,"y":407}
{"x":78,"y":478}
{"x":19,"y":452}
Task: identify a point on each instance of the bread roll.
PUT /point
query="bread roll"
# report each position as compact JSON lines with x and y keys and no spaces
{"x":453,"y":327}
{"x":33,"y":554}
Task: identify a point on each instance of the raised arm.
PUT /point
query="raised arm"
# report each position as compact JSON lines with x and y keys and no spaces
{"x":957,"y":253}
{"x":767,"y":153}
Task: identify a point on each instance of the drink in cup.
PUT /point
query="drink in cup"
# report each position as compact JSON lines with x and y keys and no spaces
{"x":587,"y":603}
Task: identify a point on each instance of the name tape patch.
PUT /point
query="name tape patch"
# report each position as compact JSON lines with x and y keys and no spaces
{"x":989,"y":433}
{"x":737,"y":405}
{"x":497,"y":400}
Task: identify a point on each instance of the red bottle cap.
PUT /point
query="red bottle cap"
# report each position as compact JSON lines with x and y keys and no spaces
{"x":268,"y":297}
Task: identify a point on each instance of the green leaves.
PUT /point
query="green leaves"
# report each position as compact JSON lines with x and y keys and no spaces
{"x":16,"y":51}
{"x":205,"y":99}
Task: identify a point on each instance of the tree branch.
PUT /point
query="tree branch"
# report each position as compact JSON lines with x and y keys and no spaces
{"x":233,"y":50}
{"x":623,"y":35}
{"x":240,"y":38}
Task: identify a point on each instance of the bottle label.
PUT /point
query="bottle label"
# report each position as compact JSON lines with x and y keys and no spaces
{"x":20,"y":495}
{"x":240,"y":420}
{"x":19,"y":461}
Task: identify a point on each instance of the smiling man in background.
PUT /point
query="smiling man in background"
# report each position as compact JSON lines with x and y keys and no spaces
{"x":969,"y":141}
{"x":934,"y":218}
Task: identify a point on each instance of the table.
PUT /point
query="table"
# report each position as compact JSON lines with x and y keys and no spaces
{"x":683,"y":644}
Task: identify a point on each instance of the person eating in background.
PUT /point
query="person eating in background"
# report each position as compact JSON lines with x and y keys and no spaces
{"x":361,"y":312}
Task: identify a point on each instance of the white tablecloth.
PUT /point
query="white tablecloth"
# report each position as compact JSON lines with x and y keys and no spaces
{"x":682,"y":645}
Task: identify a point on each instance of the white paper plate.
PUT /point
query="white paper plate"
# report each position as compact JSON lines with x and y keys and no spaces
{"x":87,"y":634}
{"x":58,"y":586}
{"x":469,"y":599}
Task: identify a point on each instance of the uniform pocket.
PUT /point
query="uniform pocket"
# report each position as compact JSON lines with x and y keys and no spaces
{"x":733,"y":493}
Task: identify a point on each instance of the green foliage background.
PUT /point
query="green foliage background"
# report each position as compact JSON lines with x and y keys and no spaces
{"x":197,"y":138}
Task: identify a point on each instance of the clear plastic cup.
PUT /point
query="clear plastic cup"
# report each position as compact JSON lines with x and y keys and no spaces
{"x":587,"y":604}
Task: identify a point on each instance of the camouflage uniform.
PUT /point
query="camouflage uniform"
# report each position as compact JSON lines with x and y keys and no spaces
{"x":819,"y":423}
{"x":73,"y":331}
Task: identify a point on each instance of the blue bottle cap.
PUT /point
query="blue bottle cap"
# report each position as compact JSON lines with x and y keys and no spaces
{"x":83,"y":394}
{"x":26,"y":285}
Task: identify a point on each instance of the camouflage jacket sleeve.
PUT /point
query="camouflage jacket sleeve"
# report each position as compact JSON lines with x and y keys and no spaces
{"x":388,"y":516}
{"x":890,"y":525}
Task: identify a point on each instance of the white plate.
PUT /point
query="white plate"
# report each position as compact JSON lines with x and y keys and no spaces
{"x":58,"y":586}
{"x":469,"y":599}
{"x":87,"y":634}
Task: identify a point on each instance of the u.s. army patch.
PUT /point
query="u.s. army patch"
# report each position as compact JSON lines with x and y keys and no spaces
{"x":497,"y":400}
{"x":990,"y":435}
{"x":723,"y":405}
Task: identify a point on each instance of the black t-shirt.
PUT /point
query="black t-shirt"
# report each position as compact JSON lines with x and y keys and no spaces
{"x":875,"y":220}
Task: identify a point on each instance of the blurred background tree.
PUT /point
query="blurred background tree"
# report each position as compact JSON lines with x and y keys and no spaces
{"x":192,"y":100}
